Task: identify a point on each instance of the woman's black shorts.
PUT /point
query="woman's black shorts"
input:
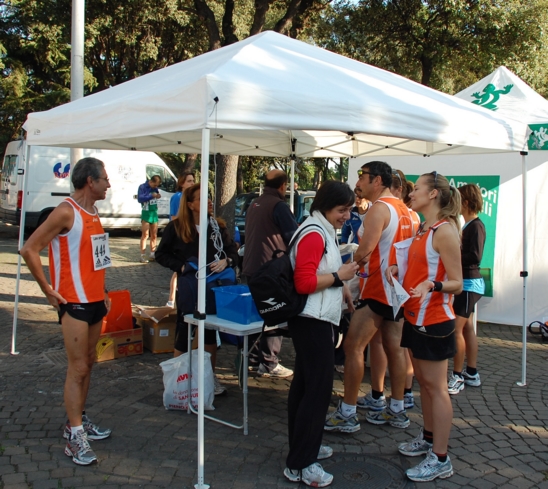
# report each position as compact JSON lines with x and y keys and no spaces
{"x":435,"y":342}
{"x":464,"y":303}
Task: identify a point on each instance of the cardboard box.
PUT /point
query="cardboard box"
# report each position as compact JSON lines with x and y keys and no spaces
{"x":120,"y":344}
{"x":158,"y":326}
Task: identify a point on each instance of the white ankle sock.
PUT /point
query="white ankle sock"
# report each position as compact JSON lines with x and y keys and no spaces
{"x":347,"y":410}
{"x":74,"y":429}
{"x":396,"y":406}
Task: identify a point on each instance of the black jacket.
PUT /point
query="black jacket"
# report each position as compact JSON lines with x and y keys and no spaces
{"x":173,"y":252}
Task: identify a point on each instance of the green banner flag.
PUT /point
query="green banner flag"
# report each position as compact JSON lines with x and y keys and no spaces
{"x":538,"y":139}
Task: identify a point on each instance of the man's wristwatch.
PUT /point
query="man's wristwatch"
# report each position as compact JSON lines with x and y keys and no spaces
{"x":229,"y":261}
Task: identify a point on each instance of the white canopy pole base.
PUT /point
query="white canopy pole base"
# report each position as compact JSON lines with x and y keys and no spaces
{"x":524,"y":273}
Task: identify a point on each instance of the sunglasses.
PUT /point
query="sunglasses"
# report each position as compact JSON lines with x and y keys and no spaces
{"x":435,"y":174}
{"x":398,"y":176}
{"x":364,"y":172}
{"x":367,"y":274}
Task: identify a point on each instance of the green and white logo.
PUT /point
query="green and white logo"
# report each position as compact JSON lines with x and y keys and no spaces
{"x":490,"y":96}
{"x":538,"y":140}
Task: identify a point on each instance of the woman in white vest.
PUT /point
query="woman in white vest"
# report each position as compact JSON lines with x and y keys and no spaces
{"x":318,"y":272}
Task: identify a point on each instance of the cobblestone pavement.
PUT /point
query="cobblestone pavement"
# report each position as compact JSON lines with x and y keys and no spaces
{"x":499,"y":437}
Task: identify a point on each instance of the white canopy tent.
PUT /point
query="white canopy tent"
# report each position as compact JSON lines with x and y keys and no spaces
{"x":274,"y":96}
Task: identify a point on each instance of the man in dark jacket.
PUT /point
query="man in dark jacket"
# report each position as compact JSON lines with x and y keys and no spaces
{"x":269,"y":225}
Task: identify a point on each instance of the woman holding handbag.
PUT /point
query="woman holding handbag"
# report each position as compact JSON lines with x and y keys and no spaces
{"x":179,"y":248}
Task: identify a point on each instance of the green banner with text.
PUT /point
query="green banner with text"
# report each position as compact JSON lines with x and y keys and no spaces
{"x":489,"y":185}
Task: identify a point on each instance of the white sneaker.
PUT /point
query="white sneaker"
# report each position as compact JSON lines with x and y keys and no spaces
{"x":169,"y":304}
{"x":417,"y":446}
{"x":219,"y":389}
{"x":455,"y":384}
{"x":339,"y":368}
{"x":430,"y":468}
{"x":278,"y":372}
{"x":313,"y":476}
{"x":144,"y":259}
{"x":408,"y":400}
{"x":368,"y":402}
{"x":151,"y":256}
{"x":325,"y":452}
{"x":473,"y":380}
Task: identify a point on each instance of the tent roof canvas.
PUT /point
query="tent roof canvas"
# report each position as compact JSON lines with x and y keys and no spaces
{"x":258,"y":95}
{"x":508,"y":95}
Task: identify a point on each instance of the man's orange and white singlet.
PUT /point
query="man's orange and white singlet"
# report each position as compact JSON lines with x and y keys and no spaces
{"x":424,"y":263}
{"x":399,"y":228}
{"x":71,"y":260}
{"x":416,"y":219}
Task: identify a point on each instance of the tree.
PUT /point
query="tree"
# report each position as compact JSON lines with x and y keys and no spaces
{"x":440,"y":43}
{"x":123,"y":40}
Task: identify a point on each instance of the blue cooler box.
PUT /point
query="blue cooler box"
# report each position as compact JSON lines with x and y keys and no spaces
{"x":234,"y":303}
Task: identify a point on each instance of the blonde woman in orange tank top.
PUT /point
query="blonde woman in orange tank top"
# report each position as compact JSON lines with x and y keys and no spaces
{"x":433,"y":275}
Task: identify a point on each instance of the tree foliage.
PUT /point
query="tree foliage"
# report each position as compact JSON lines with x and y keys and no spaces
{"x":446,"y":44}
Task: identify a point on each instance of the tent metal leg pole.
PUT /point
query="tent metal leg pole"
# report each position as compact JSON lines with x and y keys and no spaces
{"x":202,"y":260}
{"x":19,"y":246}
{"x":292,"y":186}
{"x":524,"y":272}
{"x":16,"y":305}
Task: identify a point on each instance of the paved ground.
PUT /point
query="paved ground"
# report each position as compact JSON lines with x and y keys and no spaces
{"x":499,"y":437}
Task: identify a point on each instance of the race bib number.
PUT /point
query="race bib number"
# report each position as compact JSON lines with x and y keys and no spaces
{"x":100,"y":251}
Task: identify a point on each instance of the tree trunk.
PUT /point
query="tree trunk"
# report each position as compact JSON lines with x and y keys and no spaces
{"x":190,"y":163}
{"x":225,"y":185}
{"x":240,"y":179}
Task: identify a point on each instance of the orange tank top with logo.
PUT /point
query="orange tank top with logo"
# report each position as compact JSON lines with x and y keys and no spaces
{"x":400,"y":227}
{"x":71,"y":259}
{"x":424,"y":263}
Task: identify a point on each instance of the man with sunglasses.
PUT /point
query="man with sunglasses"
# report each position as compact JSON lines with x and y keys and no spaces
{"x":387,"y":222}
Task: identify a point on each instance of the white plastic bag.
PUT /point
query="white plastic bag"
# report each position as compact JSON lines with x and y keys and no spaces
{"x":176,"y":382}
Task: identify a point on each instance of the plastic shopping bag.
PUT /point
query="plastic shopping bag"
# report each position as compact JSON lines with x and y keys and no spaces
{"x":176,"y":377}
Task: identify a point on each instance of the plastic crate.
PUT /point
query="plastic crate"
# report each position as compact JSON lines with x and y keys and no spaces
{"x":234,"y":303}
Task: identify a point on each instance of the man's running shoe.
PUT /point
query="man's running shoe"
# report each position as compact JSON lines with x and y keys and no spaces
{"x":417,"y":446}
{"x":473,"y":380}
{"x":313,"y":476}
{"x":93,"y":432}
{"x":369,"y":402}
{"x":398,"y":420}
{"x":278,"y":372}
{"x":408,"y":400}
{"x":455,"y":384}
{"x":325,"y":452}
{"x":430,"y":468}
{"x":219,"y":389}
{"x":337,"y":422}
{"x":78,"y":448}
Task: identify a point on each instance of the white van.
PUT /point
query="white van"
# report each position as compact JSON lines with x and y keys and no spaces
{"x":49,"y":184}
